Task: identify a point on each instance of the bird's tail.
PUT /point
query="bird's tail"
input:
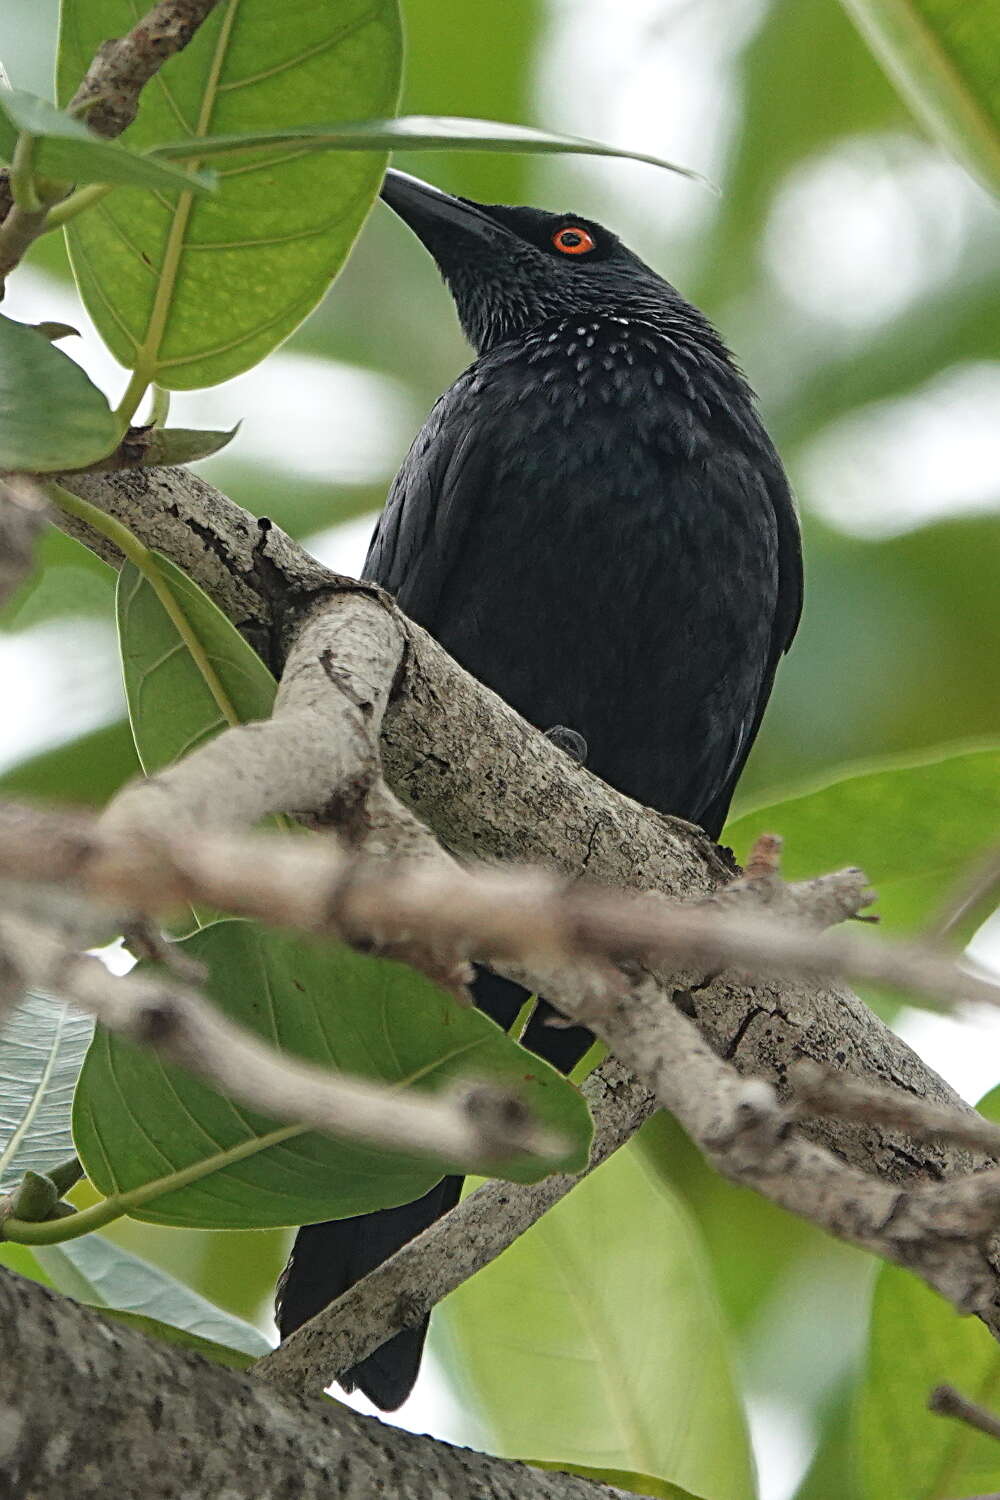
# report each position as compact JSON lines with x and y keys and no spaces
{"x":327,"y":1259}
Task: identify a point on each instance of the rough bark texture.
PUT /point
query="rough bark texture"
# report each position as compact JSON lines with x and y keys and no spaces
{"x":90,"y":1409}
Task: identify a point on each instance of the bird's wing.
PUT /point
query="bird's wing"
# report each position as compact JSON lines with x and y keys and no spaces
{"x":787,"y":613}
{"x":419,"y":537}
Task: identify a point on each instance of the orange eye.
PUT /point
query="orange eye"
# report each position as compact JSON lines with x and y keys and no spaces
{"x":573,"y":240}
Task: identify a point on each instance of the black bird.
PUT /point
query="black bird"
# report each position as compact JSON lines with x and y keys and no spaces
{"x":594,"y":522}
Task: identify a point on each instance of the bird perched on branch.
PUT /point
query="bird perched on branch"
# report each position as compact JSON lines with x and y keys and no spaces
{"x":594,"y":522}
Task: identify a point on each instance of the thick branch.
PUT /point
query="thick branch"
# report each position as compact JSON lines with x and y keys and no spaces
{"x":90,"y":1409}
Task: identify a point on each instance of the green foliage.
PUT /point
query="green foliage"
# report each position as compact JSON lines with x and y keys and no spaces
{"x":42,"y":1045}
{"x":66,"y":150}
{"x":605,"y":1306}
{"x":189,"y":292}
{"x":54,"y":417}
{"x":408,"y":132}
{"x":101,"y":1274}
{"x":942,"y":56}
{"x":913,"y":826}
{"x":182,"y":688}
{"x":918,"y":1341}
{"x":138,"y":1121}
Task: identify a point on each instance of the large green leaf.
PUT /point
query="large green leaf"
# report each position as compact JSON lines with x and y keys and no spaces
{"x":136,"y":1120}
{"x":189,"y":292}
{"x":596,"y":1339}
{"x":413,"y":133}
{"x":942,"y":54}
{"x":52,"y":416}
{"x":912,"y":825}
{"x":65,"y":149}
{"x":42,"y":1047}
{"x":172,"y":707}
{"x":918,"y":1341}
{"x":95,"y":1271}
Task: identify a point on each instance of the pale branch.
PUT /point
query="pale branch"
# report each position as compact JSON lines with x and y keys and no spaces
{"x":759,"y":926}
{"x":492,"y":788}
{"x":473,"y":1123}
{"x":108,"y":96}
{"x":820,"y":1090}
{"x":403,"y":1289}
{"x":89,"y":1408}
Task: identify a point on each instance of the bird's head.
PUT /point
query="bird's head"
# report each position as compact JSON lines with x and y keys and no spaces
{"x":510,"y":269}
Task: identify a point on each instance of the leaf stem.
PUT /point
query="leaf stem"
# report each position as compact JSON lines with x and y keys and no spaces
{"x":83,"y":198}
{"x":160,"y":409}
{"x":22,"y":174}
{"x":146,"y":562}
{"x":116,"y":1205}
{"x":134,"y":392}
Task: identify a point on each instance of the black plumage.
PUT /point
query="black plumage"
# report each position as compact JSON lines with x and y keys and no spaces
{"x":594,"y":522}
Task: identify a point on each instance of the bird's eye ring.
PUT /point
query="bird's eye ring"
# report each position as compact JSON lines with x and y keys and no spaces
{"x":573,"y":240}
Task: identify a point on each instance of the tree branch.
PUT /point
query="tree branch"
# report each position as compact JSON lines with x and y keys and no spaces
{"x":401,"y":1292}
{"x":90,"y":1408}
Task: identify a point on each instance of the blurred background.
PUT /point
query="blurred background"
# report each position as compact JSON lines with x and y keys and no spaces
{"x":855,"y":269}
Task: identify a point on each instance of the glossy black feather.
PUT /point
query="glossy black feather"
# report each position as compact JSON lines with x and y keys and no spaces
{"x":594,"y":522}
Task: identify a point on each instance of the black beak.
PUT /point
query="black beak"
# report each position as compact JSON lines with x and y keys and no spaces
{"x":430,"y":213}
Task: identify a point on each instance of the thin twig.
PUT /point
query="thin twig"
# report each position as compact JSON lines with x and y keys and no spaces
{"x":827,"y":1091}
{"x":945,"y":1401}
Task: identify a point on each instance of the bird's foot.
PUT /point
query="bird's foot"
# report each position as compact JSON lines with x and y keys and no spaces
{"x":569,"y":740}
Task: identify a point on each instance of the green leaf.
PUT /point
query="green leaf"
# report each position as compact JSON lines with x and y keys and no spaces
{"x":87,"y":771}
{"x":54,"y":417}
{"x":101,"y":1274}
{"x":137,"y":1121}
{"x":912,"y":825}
{"x":596,"y":1338}
{"x":172,"y":708}
{"x":941,"y":54}
{"x":67,"y":150}
{"x":413,"y":133}
{"x":42,"y":1047}
{"x":148,"y":447}
{"x":623,"y":1479}
{"x":918,"y":1341}
{"x":189,"y":292}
